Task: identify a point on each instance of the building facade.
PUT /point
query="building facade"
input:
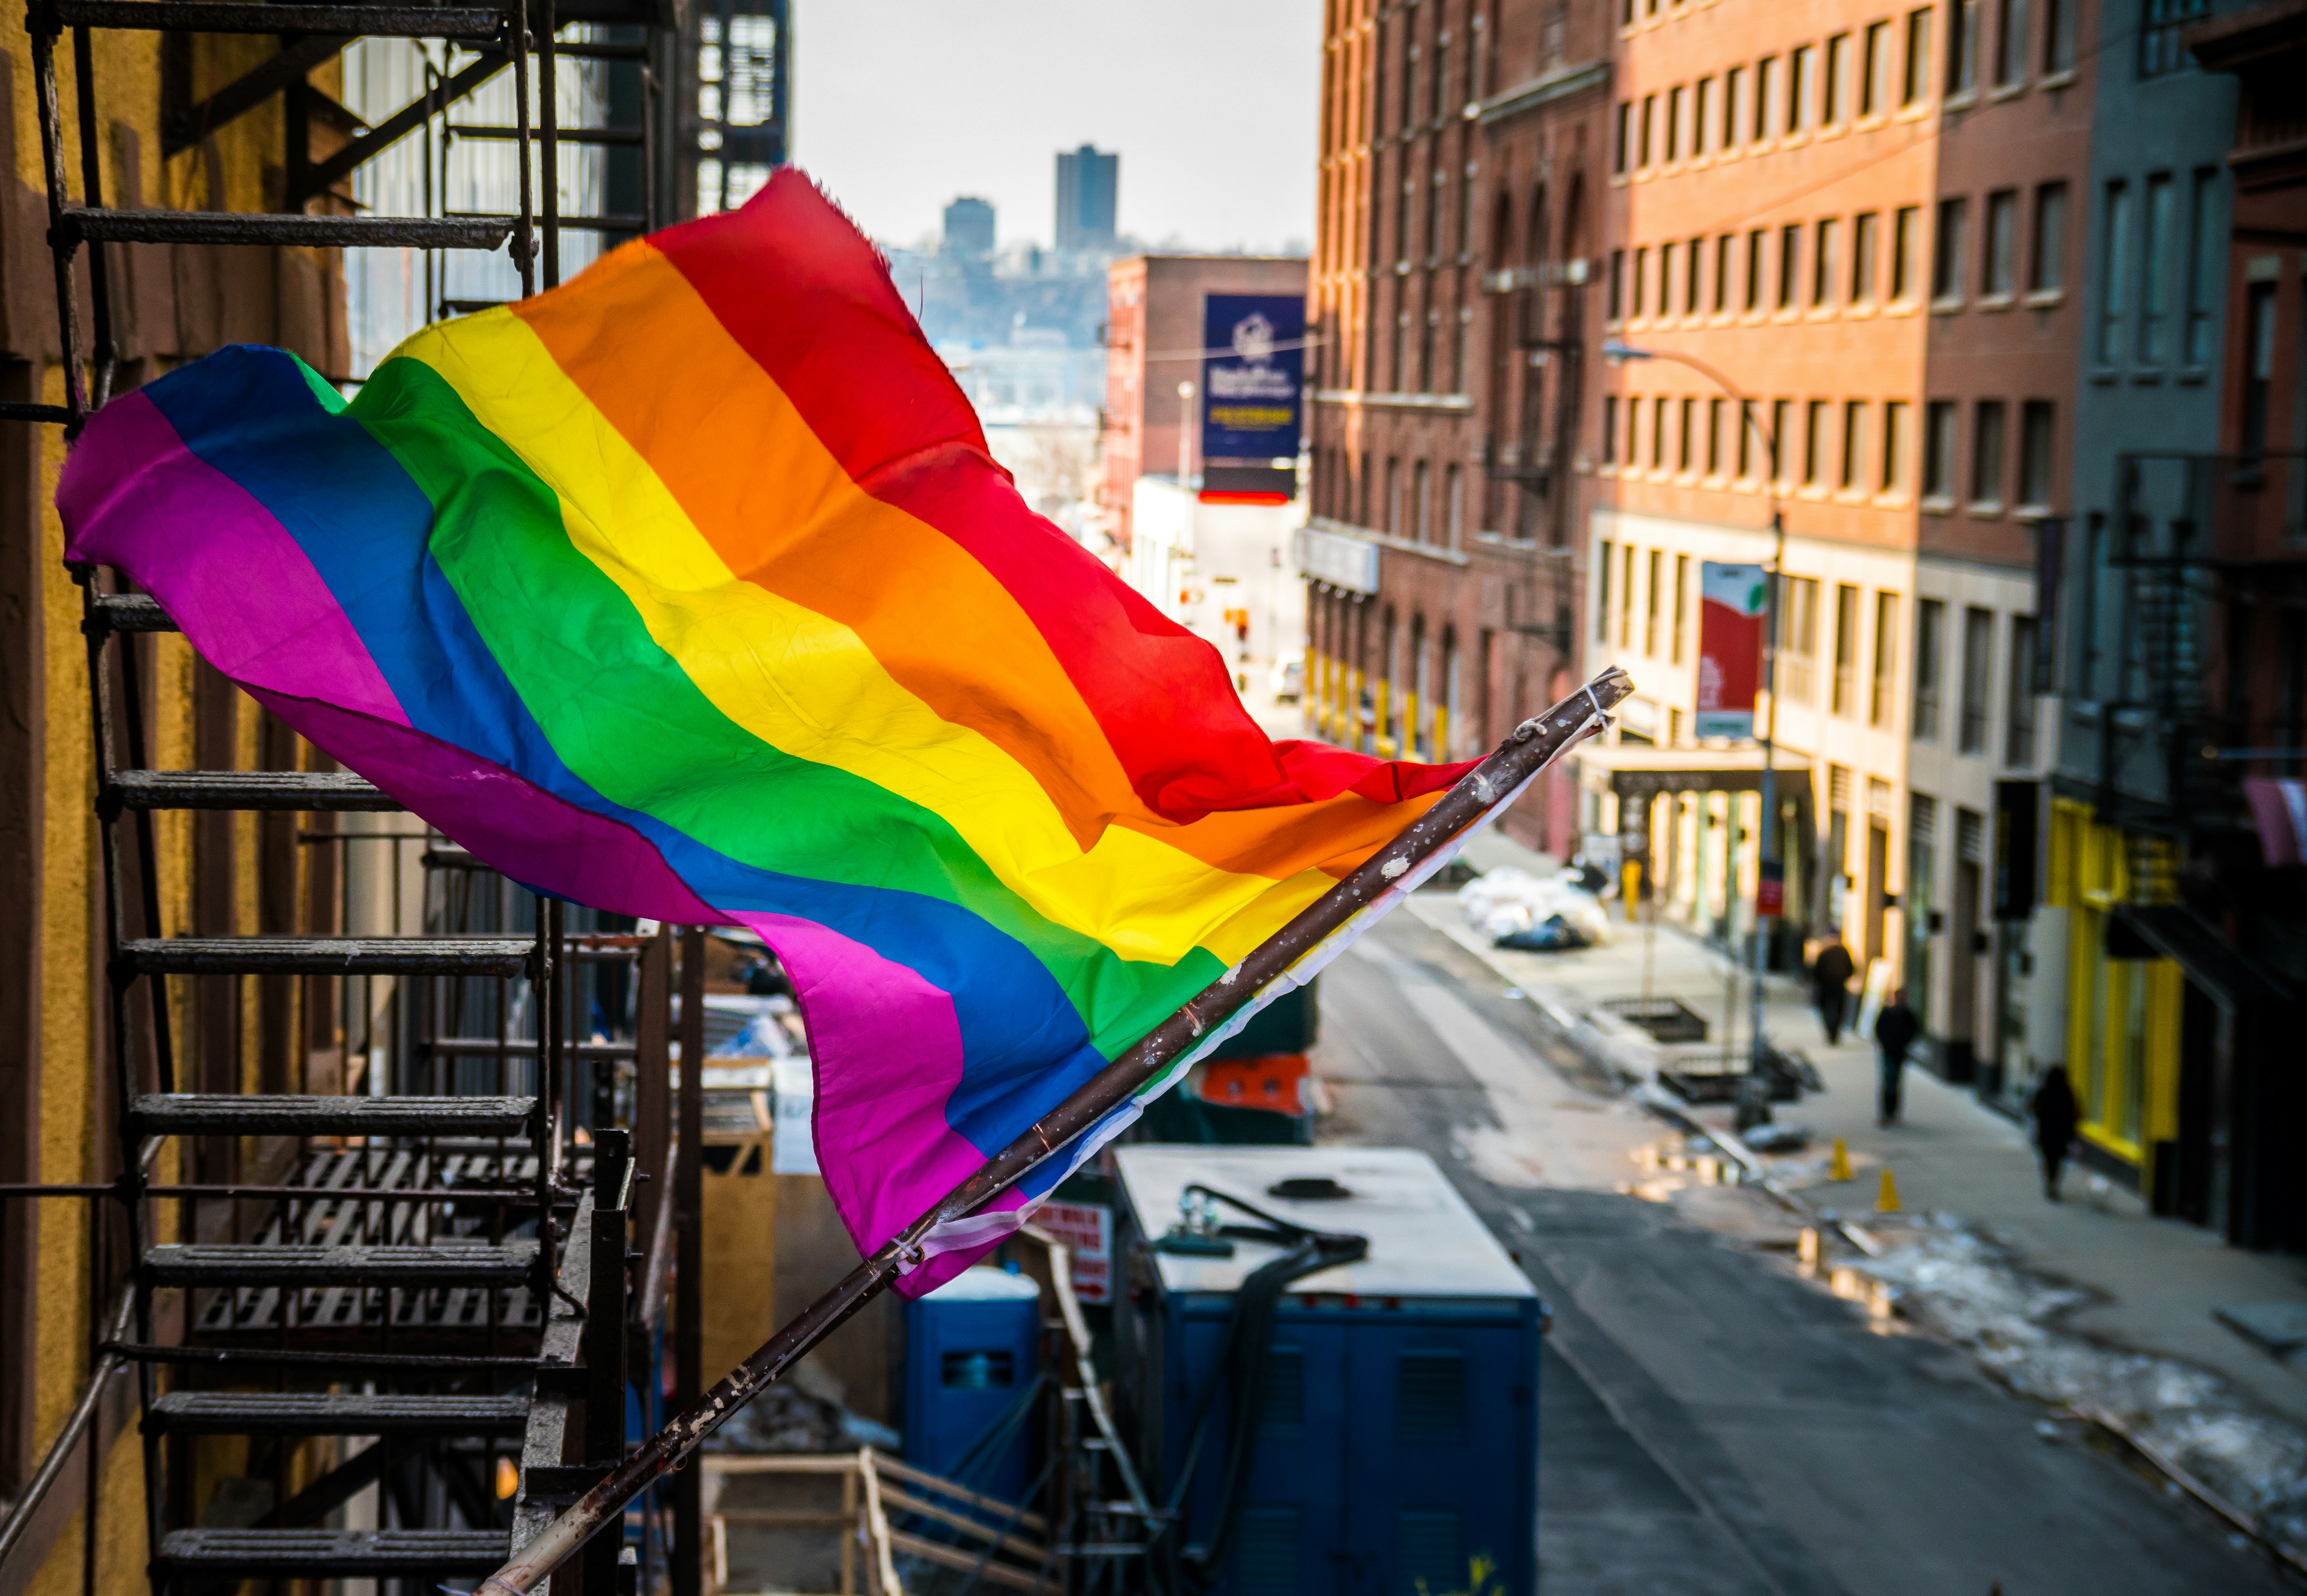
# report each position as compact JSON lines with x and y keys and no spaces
{"x":1451,"y":437}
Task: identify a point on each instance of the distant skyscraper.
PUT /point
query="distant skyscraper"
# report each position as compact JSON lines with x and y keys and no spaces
{"x":969,"y":228}
{"x":1088,"y":184}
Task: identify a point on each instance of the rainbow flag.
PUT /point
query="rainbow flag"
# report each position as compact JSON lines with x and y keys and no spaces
{"x":690,"y":591}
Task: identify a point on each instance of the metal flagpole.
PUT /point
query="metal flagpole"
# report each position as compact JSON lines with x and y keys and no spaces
{"x":1533,"y":745}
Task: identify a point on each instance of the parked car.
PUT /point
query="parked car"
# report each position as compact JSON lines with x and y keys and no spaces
{"x":1289,"y":681}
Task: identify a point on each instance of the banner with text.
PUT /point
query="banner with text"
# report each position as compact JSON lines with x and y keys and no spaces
{"x":1253,"y":372}
{"x":1732,"y":600}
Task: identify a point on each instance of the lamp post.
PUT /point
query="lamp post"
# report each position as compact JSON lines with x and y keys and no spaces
{"x":1769,"y":867}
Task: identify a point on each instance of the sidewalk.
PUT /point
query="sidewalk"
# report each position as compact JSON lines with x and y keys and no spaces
{"x":2157,"y":1280}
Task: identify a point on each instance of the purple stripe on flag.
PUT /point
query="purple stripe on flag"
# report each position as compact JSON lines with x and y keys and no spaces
{"x":132,"y":495}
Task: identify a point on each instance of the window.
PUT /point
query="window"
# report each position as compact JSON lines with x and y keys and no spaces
{"x":1962,"y":46}
{"x":1987,"y":430}
{"x":1602,"y":593}
{"x":1879,"y":707}
{"x":2155,"y":281}
{"x":2046,"y":270}
{"x":1622,"y":147}
{"x":1626,"y":599}
{"x":2038,"y":441}
{"x":1685,"y":458}
{"x":1754,"y":269}
{"x":1835,"y":104}
{"x":1798,"y":641}
{"x":1821,"y":265}
{"x":2160,"y":49}
{"x":1802,"y":88}
{"x":1674,"y":98}
{"x":1782,"y":413}
{"x":1930,"y":648}
{"x":1915,"y":80}
{"x":1813,"y":443}
{"x":1609,"y":432}
{"x":1714,"y":411}
{"x":1906,"y":243}
{"x":1853,"y":444}
{"x":1845,"y":648}
{"x":1938,"y":450}
{"x":1977,"y":661}
{"x":1790,"y":264}
{"x":1642,"y":131}
{"x":2011,"y":43}
{"x":1946,"y":263}
{"x":1732,"y":82}
{"x":1766,"y":78}
{"x":1421,"y":516}
{"x":2206,"y":264}
{"x":2115,"y":295}
{"x":1658,"y":433}
{"x":1681,"y":586}
{"x":1638,"y":295}
{"x":2001,"y":263}
{"x":1866,"y":244}
{"x":1651,"y":606}
{"x":1701,"y":112}
{"x":1454,"y":498}
{"x":2059,"y":34}
{"x":2258,"y":366}
{"x":1693,"y":270}
{"x":1617,"y":291}
{"x":1875,"y":69}
{"x":1894,"y":439}
{"x":1665,"y":281}
{"x":1722,"y":274}
{"x":1393,"y":495}
{"x":2018,"y":712}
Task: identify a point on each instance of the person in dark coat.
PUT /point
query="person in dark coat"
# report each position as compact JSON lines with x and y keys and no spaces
{"x":2056,"y":1115}
{"x":1829,"y":985}
{"x":1895,"y":1030}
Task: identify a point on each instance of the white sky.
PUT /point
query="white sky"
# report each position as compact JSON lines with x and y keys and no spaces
{"x":901,"y":105}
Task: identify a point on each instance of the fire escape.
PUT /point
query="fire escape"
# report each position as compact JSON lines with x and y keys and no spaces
{"x":1539,"y":602}
{"x":422,"y":1293}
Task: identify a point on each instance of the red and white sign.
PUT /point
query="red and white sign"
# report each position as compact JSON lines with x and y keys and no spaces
{"x":1087,"y":1231}
{"x":1732,"y":602}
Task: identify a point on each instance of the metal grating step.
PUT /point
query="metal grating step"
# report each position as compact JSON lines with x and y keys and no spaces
{"x":132,"y":612}
{"x":475,"y":23}
{"x":85,"y":225}
{"x":186,"y":1114}
{"x":618,"y":137}
{"x":328,"y":956}
{"x":297,"y":1554}
{"x":313,"y":791}
{"x":230,"y":1263}
{"x":334,"y":1413}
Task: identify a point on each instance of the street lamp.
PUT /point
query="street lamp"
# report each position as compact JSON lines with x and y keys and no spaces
{"x":1768,"y":865}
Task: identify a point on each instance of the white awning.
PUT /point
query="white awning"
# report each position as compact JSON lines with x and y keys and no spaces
{"x":1639,"y":770}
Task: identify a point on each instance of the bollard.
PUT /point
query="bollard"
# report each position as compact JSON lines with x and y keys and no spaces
{"x":1810,"y":1249}
{"x":1886,"y":1201}
{"x":1839,"y":1168}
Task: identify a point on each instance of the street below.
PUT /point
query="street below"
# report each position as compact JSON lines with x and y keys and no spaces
{"x":1711,"y":1421}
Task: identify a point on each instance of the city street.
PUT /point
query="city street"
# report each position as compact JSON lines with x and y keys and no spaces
{"x":1710,"y":1422}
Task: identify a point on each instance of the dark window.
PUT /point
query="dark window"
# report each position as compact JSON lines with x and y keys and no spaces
{"x":1801,"y":68}
{"x":1609,"y":432}
{"x":1836,"y":105}
{"x":1638,"y":288}
{"x":1657,"y":460}
{"x":1875,"y":69}
{"x":1866,"y":245}
{"x":2206,"y":263}
{"x":1617,"y":285}
{"x":2160,"y":49}
{"x":2037,"y":450}
{"x":2114,"y":290}
{"x":1684,"y":459}
{"x":1731,"y":81}
{"x":1962,"y":46}
{"x":1790,"y":264}
{"x":1915,"y":80}
{"x":1977,"y":666}
{"x":1781,"y":422}
{"x":1754,"y":269}
{"x":1886,"y":659}
{"x":1987,"y":433}
{"x":1766,"y":77}
{"x":1946,"y":264}
{"x":1905,"y":227}
{"x":2001,"y":263}
{"x":2059,"y":34}
{"x":2159,"y":268}
{"x":1938,"y":448}
{"x":1822,"y":266}
{"x":1894,"y":445}
{"x":1846,"y":647}
{"x":2258,"y":366}
{"x":2010,"y":42}
{"x":1722,"y":274}
{"x":1692,"y":272}
{"x":2046,"y":270}
{"x":1626,"y":129}
{"x":1715,"y":408}
{"x":2018,"y":714}
{"x":1930,"y":666}
{"x":1853,"y":444}
{"x":1813,"y":442}
{"x":1674,"y":99}
{"x":1642,"y":133}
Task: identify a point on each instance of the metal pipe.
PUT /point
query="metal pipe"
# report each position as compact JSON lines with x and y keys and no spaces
{"x":1531,"y":747}
{"x":60,"y":1450}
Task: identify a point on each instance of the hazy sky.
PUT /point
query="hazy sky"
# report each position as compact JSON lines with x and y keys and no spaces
{"x":900,"y":105}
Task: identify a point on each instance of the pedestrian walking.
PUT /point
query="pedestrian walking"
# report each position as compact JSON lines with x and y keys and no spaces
{"x":1895,"y":1030}
{"x":2056,"y":1115}
{"x":1830,"y":986}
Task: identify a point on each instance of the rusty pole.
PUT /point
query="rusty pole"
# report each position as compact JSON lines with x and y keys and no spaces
{"x":1533,"y":745}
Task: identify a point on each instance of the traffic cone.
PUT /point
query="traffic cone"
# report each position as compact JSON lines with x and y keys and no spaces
{"x":1839,"y":1168}
{"x":1887,"y":1200}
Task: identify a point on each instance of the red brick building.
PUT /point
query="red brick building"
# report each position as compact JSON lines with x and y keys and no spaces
{"x":1461,"y":145}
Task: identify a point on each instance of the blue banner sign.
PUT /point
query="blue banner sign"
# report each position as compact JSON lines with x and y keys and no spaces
{"x":1253,"y":374}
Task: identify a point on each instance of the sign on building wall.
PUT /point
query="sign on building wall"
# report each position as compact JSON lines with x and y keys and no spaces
{"x":1252,"y":376}
{"x":1731,"y":604}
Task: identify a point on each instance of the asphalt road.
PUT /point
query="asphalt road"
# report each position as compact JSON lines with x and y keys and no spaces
{"x":1711,"y":1424}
